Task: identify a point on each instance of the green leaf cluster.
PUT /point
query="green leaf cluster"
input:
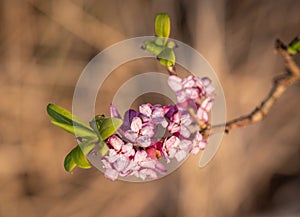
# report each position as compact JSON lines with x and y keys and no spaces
{"x":161,"y":47}
{"x":91,"y":137}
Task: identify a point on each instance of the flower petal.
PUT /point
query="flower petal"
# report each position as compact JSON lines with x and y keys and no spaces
{"x":114,"y":112}
{"x":184,"y":131}
{"x":115,"y":142}
{"x":175,"y":83}
{"x":188,"y":82}
{"x":145,"y":109}
{"x":144,"y":141}
{"x":147,"y":130}
{"x":131,"y":135}
{"x":121,"y":163}
{"x":136,"y":124}
{"x":111,"y":174}
{"x":180,"y":155}
{"x":140,"y":156}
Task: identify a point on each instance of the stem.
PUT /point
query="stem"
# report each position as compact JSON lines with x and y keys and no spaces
{"x":280,"y":84}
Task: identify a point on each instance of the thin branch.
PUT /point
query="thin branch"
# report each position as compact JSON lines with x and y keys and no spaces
{"x":280,"y":84}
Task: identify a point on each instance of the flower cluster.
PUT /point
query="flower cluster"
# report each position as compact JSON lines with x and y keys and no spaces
{"x":137,"y":149}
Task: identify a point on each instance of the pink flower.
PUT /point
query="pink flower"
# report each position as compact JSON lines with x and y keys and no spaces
{"x":143,"y":166}
{"x":140,"y":132}
{"x":179,"y":123}
{"x":154,"y":114}
{"x":198,"y":143}
{"x":184,"y":88}
{"x":204,"y":109}
{"x":174,"y":147}
{"x":117,"y":162}
{"x":190,"y":88}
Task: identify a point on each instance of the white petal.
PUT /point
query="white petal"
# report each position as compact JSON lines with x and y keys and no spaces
{"x":111,"y":174}
{"x":180,"y":155}
{"x":184,"y":131}
{"x":121,"y":163}
{"x":148,"y":164}
{"x":136,"y":124}
{"x":116,"y":142}
{"x":175,"y":83}
{"x":145,"y":109}
{"x":144,"y":141}
{"x":130,"y":135}
{"x":140,"y":156}
{"x":188,"y":82}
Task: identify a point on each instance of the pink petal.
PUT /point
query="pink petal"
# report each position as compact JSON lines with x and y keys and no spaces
{"x":198,"y":136}
{"x":144,"y":141}
{"x":140,"y":156}
{"x":173,"y":141}
{"x":114,"y":112}
{"x":111,"y":174}
{"x":136,"y":124}
{"x":145,"y":109}
{"x":192,"y":93}
{"x":205,"y":81}
{"x":185,"y":144}
{"x":202,"y":115}
{"x":172,"y":152}
{"x":121,"y":163}
{"x":112,"y":156}
{"x":131,"y":135}
{"x":202,"y":145}
{"x":173,"y":127}
{"x":147,"y":172}
{"x":158,"y":112}
{"x":128,"y":150}
{"x":184,"y":131}
{"x":210,"y":89}
{"x":116,"y":142}
{"x":176,"y":117}
{"x":147,"y":130}
{"x":186,"y":119}
{"x":148,"y":164}
{"x":180,"y":155}
{"x":207,"y":104}
{"x":195,"y":150}
{"x":181,"y":96}
{"x":188,"y":82}
{"x":175,"y":83}
{"x":105,"y":163}
{"x":160,"y":167}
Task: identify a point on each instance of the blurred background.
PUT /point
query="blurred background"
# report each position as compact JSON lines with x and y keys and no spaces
{"x":45,"y":45}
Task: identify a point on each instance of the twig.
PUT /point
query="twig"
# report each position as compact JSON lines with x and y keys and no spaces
{"x":280,"y":84}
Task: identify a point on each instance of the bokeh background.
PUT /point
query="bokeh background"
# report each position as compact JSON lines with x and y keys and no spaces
{"x":44,"y":47}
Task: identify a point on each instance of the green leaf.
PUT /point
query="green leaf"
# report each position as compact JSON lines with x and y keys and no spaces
{"x":77,"y":131}
{"x":167,"y":57}
{"x":162,"y":26}
{"x":96,"y":123}
{"x":72,"y":124}
{"x":294,"y":46}
{"x":76,"y":158}
{"x":108,"y":127}
{"x":102,"y":148}
{"x":153,"y":48}
{"x":159,"y":41}
{"x":69,"y":163}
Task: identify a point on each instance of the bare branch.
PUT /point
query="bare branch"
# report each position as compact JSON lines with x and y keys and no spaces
{"x":280,"y":84}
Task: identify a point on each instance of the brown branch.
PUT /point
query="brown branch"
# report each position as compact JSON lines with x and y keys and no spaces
{"x":280,"y":84}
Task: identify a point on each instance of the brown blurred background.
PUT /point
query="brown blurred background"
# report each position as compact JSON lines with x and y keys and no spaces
{"x":45,"y":45}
